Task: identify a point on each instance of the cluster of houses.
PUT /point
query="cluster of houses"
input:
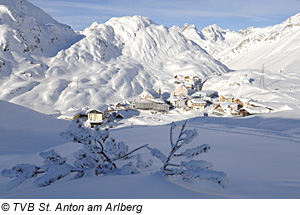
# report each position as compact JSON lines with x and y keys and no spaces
{"x":199,"y":100}
{"x":191,"y":82}
{"x":231,"y":105}
{"x":179,"y":98}
{"x":105,"y":113}
{"x":185,"y":96}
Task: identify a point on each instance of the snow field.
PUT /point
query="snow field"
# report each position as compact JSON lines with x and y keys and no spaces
{"x":259,"y":162}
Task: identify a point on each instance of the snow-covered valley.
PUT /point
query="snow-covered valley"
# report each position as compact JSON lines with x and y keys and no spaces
{"x":48,"y":70}
{"x":259,"y":155}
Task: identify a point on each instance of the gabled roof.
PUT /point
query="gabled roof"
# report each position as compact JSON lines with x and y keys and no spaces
{"x":81,"y":113}
{"x":94,"y":110}
{"x":228,"y":104}
{"x":244,"y":100}
{"x":100,"y":109}
{"x":151,"y":92}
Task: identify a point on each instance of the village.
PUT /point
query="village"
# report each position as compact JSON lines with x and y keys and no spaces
{"x":187,"y":96}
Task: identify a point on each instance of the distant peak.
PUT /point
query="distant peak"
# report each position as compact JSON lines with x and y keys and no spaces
{"x":214,"y":32}
{"x":293,"y":20}
{"x":214,"y":28}
{"x":137,"y":19}
{"x":187,"y":26}
{"x":23,"y":8}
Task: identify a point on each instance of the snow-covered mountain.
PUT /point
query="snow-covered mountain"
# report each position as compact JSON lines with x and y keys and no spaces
{"x":28,"y":37}
{"x":277,"y":47}
{"x":27,"y":29}
{"x":47,"y":67}
{"x":212,"y":38}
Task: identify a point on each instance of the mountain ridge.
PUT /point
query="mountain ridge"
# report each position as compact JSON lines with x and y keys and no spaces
{"x":252,"y":47}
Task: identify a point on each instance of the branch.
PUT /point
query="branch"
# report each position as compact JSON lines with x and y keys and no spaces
{"x":175,"y":146}
{"x":171,"y":164}
{"x":129,"y":153}
{"x":104,"y":154}
{"x":180,"y":134}
{"x":190,"y":153}
{"x":173,"y":125}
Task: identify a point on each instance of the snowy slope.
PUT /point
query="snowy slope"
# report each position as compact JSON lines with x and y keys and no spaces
{"x":114,"y":61}
{"x":118,"y":59}
{"x":28,"y":37}
{"x":25,"y":131}
{"x":279,"y":88}
{"x":261,"y":162}
{"x":277,"y":47}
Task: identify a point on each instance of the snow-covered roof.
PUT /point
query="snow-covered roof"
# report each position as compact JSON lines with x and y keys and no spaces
{"x":101,"y":109}
{"x":228,"y":96}
{"x":225,"y":105}
{"x":244,"y":100}
{"x":73,"y":112}
{"x":147,"y":101}
{"x":119,"y":114}
{"x":92,"y":110}
{"x":198,"y":94}
{"x":256,"y":110}
{"x":157,"y":100}
{"x":176,"y":98}
{"x":198,"y":101}
{"x":260,"y":104}
{"x":209,"y":92}
{"x":82,"y":113}
{"x":146,"y":92}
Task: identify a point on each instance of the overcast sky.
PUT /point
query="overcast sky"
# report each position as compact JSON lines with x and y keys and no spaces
{"x":231,"y":14}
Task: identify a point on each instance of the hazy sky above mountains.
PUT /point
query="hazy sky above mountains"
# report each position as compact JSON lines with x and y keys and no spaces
{"x":231,"y":14}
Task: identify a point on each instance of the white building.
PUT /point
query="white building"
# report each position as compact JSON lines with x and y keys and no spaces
{"x":97,"y":116}
{"x":152,"y":104}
